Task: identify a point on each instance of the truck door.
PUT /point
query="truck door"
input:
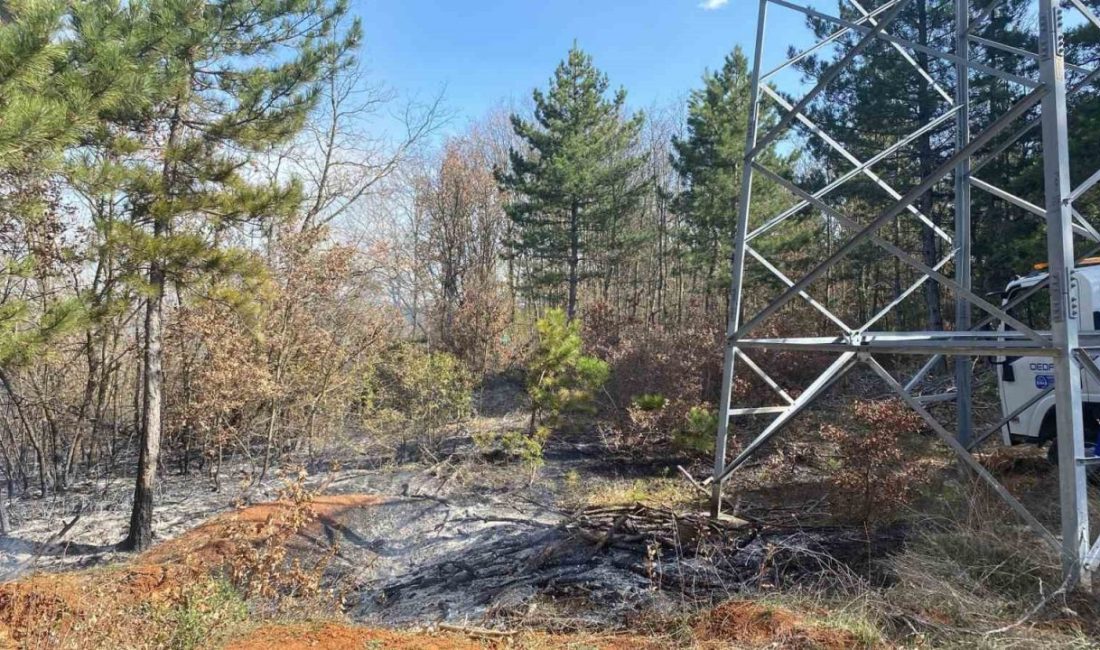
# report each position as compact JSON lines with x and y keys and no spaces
{"x":1020,"y":378}
{"x":1090,"y":321}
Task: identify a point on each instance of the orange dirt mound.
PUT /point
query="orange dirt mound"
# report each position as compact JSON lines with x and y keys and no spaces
{"x":79,"y":609}
{"x":85,"y":609}
{"x":748,"y":624}
{"x":208,"y":545}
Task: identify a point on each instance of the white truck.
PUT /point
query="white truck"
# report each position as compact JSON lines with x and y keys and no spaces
{"x":1020,"y":379}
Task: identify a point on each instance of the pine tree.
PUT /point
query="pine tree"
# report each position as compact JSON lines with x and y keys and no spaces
{"x":34,"y":126}
{"x":578,"y":172}
{"x":875,"y":101}
{"x":49,"y":102}
{"x":880,"y":98}
{"x":43,"y":101}
{"x":709,"y":161}
{"x":221,"y":81}
{"x":46,"y":105}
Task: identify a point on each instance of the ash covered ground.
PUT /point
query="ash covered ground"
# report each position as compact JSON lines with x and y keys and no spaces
{"x":462,"y":538}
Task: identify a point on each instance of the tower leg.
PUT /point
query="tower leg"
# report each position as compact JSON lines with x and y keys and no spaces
{"x":1064,"y":326}
{"x":737,"y":267}
{"x":963,"y":371}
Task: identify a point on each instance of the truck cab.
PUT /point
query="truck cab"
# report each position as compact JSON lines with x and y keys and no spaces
{"x":1020,"y":379}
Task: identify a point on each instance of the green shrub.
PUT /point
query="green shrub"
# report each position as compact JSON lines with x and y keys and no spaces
{"x":650,"y":402}
{"x":415,"y":394}
{"x":527,"y":448}
{"x":699,"y":430}
{"x":514,"y":445}
{"x":560,"y":377}
{"x":205,"y":611}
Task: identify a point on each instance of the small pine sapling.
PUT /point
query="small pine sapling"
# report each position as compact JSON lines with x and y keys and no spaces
{"x":699,"y":429}
{"x":561,"y":378}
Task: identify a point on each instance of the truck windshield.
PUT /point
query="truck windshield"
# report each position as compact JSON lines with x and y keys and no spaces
{"x":1033,"y":311}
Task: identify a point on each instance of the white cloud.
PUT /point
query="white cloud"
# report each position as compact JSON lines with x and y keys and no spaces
{"x":710,"y":5}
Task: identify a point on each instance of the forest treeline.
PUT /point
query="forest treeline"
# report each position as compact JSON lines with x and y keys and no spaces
{"x":208,"y":255}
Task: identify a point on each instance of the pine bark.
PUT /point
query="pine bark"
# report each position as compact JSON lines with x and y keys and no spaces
{"x":141,"y":518}
{"x":140,"y":536}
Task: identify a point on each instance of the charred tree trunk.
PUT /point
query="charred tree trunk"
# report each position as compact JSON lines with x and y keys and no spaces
{"x":141,"y":518}
{"x":140,"y":536}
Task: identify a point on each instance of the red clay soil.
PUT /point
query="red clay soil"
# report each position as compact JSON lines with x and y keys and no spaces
{"x":207,"y":545}
{"x":68,"y":607}
{"x":742,"y":623}
{"x":336,"y":636}
{"x":85,"y":609}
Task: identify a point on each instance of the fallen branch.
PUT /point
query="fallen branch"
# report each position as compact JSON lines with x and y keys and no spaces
{"x":1033,"y":611}
{"x":692,"y":480}
{"x":66,"y":528}
{"x":482,"y":632}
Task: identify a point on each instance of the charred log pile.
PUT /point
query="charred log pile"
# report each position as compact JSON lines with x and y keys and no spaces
{"x":624,"y":558}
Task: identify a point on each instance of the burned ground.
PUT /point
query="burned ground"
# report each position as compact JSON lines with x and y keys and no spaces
{"x":468,"y":543}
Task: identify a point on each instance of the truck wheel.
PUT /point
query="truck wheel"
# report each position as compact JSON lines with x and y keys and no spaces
{"x":1093,"y":471}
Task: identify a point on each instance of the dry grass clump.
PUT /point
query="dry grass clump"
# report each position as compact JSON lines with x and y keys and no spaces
{"x":978,"y":577}
{"x":745,"y":623}
{"x":970,"y":573}
{"x":657,"y":491}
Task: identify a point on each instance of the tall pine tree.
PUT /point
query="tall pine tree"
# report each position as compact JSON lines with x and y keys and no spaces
{"x":874,"y":102}
{"x":576,"y":174}
{"x":50,"y":100}
{"x":709,"y":160}
{"x":880,"y":98}
{"x":224,"y":80}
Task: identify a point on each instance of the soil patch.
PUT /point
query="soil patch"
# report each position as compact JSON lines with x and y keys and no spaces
{"x":98,"y":607}
{"x":746,"y":623}
{"x":208,"y":545}
{"x":337,"y":636}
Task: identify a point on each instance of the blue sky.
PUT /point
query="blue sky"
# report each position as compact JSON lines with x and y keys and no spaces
{"x":483,"y":52}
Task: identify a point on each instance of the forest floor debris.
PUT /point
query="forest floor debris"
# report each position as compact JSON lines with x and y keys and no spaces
{"x":465,"y":552}
{"x":413,"y":580}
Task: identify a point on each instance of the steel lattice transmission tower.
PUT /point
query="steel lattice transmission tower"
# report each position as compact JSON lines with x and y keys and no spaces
{"x":1043,"y":105}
